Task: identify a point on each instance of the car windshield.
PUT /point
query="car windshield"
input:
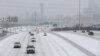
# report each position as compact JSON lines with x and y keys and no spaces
{"x":17,"y":42}
{"x":30,"y":46}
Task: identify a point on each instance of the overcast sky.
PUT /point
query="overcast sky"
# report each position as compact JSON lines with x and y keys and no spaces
{"x":25,"y":8}
{"x":51,"y":7}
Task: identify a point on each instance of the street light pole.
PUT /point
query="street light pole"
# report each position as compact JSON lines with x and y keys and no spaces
{"x":79,"y":14}
{"x":35,"y":15}
{"x":42,"y":14}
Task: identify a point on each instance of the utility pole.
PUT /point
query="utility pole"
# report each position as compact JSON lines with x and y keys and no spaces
{"x":35,"y":16}
{"x":42,"y":11}
{"x":79,"y":14}
{"x":42,"y":14}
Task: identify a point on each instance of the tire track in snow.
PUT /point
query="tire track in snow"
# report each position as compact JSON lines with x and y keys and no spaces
{"x":23,"y":48}
{"x":40,"y":45}
{"x":48,"y":50}
{"x":59,"y":48}
{"x":54,"y":47}
{"x":68,"y":48}
{"x":7,"y":47}
{"x":76,"y":45}
{"x":13,"y":51}
{"x":52,"y":51}
{"x":26,"y":44}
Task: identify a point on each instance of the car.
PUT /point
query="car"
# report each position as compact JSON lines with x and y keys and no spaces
{"x":33,"y":40}
{"x":45,"y":34}
{"x":30,"y":49}
{"x":90,"y":33}
{"x":17,"y":45}
{"x":32,"y":34}
{"x":29,"y":32}
{"x":30,"y":46}
{"x":83,"y":31}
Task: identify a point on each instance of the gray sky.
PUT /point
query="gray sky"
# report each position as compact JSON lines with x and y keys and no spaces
{"x":51,"y":7}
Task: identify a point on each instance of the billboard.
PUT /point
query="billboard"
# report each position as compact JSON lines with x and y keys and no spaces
{"x":9,"y":19}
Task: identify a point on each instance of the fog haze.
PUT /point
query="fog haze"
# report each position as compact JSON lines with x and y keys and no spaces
{"x":24,"y":9}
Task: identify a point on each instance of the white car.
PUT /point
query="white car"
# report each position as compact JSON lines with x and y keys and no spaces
{"x":17,"y":45}
{"x":31,"y":49}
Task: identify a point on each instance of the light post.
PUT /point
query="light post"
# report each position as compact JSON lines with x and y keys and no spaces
{"x":79,"y":14}
{"x":35,"y":16}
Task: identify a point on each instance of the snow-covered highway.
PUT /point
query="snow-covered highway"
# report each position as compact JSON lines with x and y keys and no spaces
{"x":54,"y":44}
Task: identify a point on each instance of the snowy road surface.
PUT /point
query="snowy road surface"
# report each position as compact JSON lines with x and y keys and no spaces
{"x":51,"y":45}
{"x":96,"y":34}
{"x":87,"y":43}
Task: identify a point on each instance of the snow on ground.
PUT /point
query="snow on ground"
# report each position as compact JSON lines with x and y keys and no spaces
{"x":6,"y":46}
{"x":55,"y":46}
{"x":88,"y":43}
{"x":45,"y":46}
{"x":95,"y":36}
{"x":50,"y":45}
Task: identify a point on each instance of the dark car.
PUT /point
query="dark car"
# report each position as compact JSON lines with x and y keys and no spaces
{"x":33,"y":40}
{"x":45,"y":34}
{"x":30,"y":46}
{"x":29,"y":32}
{"x":31,"y":49}
{"x":91,"y":33}
{"x":83,"y":31}
{"x":17,"y":45}
{"x":32,"y":34}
